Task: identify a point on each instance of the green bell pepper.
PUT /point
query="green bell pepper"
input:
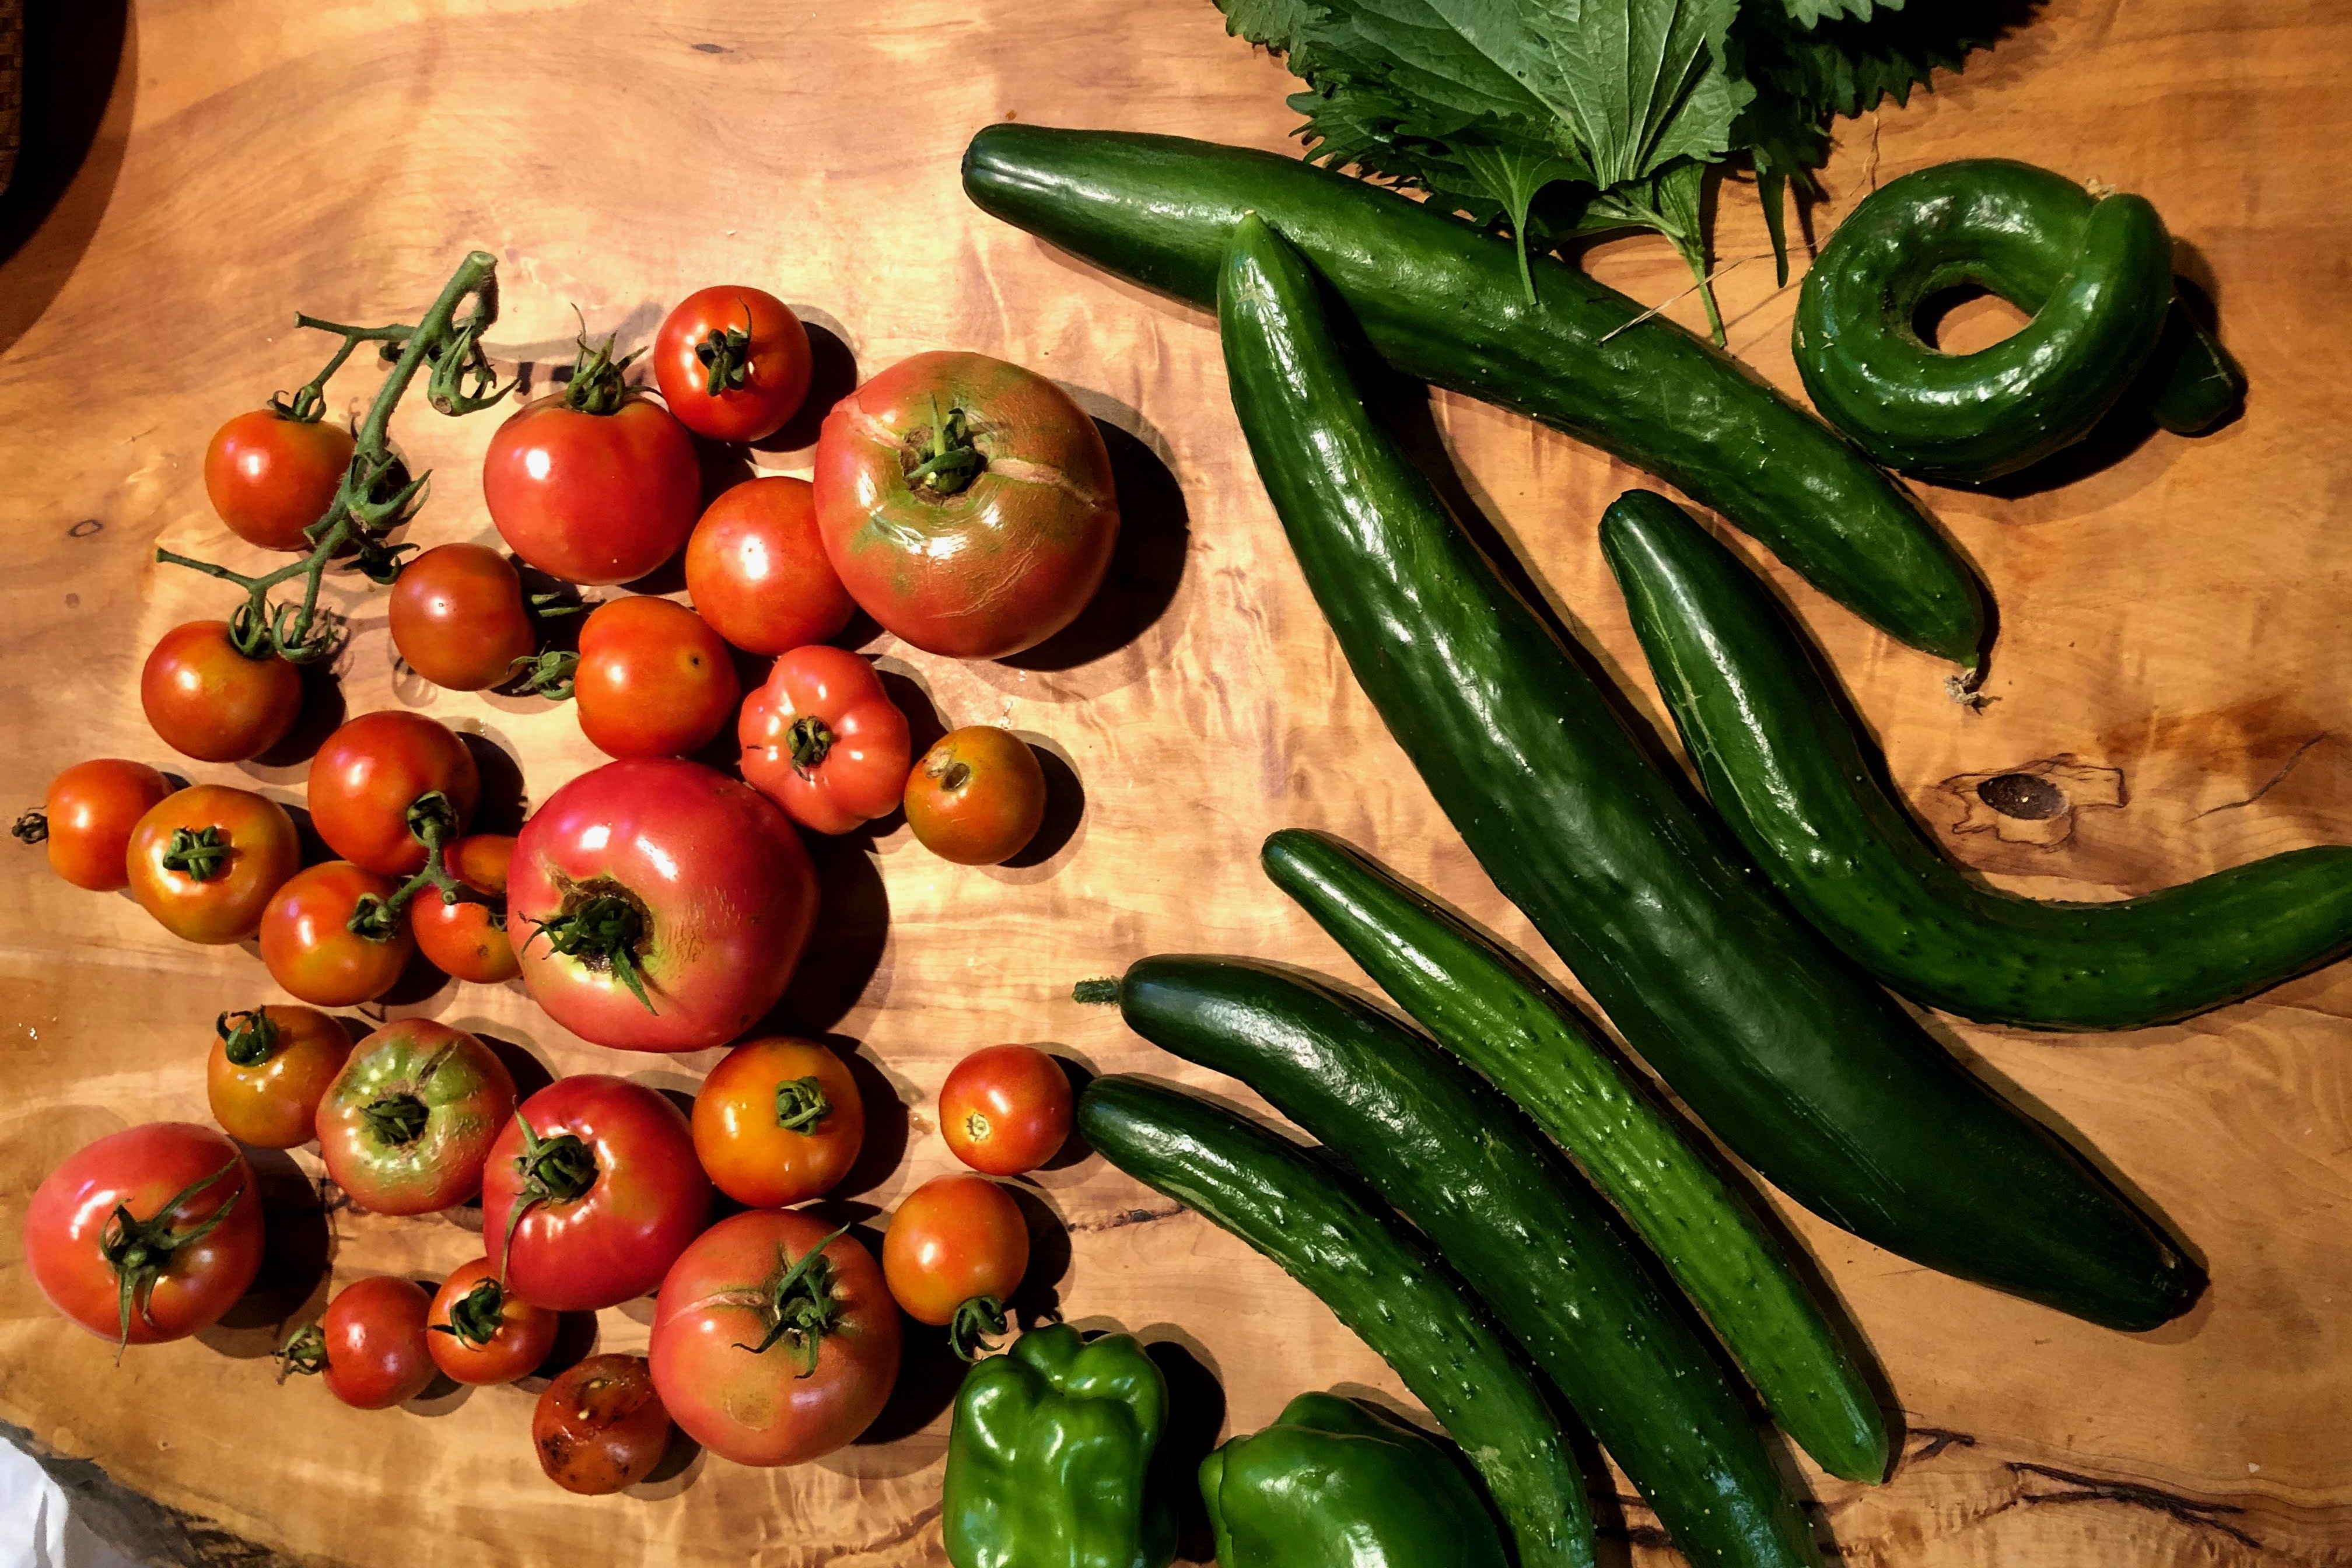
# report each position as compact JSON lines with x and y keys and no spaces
{"x":1337,"y":1484}
{"x":1049,"y":1459}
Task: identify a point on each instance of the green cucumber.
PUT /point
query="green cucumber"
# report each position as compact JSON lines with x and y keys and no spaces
{"x":1807,"y":1071}
{"x":1491,"y":1010}
{"x":1787,"y":767}
{"x":1539,"y":1247}
{"x":1377,"y":1276}
{"x":1444,"y":302}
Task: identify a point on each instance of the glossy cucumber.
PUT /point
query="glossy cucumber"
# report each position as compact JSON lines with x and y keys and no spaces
{"x":1804,"y":1068}
{"x":1787,"y":767}
{"x":1534,"y":1241}
{"x":1377,"y":1276}
{"x":1444,"y":302}
{"x":1490,"y":1009}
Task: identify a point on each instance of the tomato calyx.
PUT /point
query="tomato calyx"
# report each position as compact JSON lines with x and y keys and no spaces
{"x":602,"y":925}
{"x":947,"y":461}
{"x":476,"y":1316}
{"x":973,"y":1331}
{"x":247,"y":1039}
{"x":555,"y":1170}
{"x":396,"y":1119}
{"x":138,"y":1250}
{"x":726,"y":356}
{"x":800,"y":1104}
{"x":547,"y":673}
{"x":599,"y":383}
{"x":799,"y":1305}
{"x":432,"y":822}
{"x":31,"y":827}
{"x":809,"y":742}
{"x":201,"y":854}
{"x":304,"y":1355}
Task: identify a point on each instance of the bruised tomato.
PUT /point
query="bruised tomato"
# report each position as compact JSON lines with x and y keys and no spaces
{"x":208,"y":701}
{"x":756,"y":568}
{"x":88,"y":816}
{"x":654,"y":679}
{"x":732,"y":362}
{"x":823,"y":740}
{"x":271,"y":476}
{"x":206,"y":861}
{"x":600,"y":1426}
{"x":778,"y":1121}
{"x":267,"y":1071}
{"x":480,"y":1334}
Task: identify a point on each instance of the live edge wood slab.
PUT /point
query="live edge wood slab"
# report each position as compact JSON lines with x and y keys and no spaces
{"x":2172,"y":659}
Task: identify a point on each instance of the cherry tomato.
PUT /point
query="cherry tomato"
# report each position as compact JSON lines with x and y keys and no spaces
{"x":654,"y":679}
{"x":592,"y":1191}
{"x":688,"y":883}
{"x":824,"y":1338}
{"x":308,"y":944}
{"x":408,"y":1126}
{"x":595,"y":483}
{"x":977,"y":797}
{"x":955,"y":1251}
{"x":86,"y":818}
{"x":206,"y":861}
{"x":1006,"y":1109}
{"x":208,"y":701}
{"x":458,"y":617}
{"x":270,"y":477}
{"x":756,"y":569}
{"x":467,"y":939}
{"x":732,"y":362}
{"x":967,"y":503}
{"x":600,"y":1426}
{"x":371,"y":1349}
{"x":479,"y":1335}
{"x":778,"y":1121}
{"x":368,"y":773}
{"x":147,"y":1234}
{"x":823,"y":740}
{"x":267,"y":1070}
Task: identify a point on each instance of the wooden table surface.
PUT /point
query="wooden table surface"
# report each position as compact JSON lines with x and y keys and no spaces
{"x":2173,"y":656}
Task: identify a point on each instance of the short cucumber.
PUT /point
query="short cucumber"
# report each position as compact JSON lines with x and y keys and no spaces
{"x":1490,"y":1009}
{"x":1377,"y":1276}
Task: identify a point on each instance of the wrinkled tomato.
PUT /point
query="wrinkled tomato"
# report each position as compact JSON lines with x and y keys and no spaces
{"x":372,"y":771}
{"x":654,"y":679}
{"x":458,"y":617}
{"x":208,"y":701}
{"x":732,"y":362}
{"x":467,"y":938}
{"x":756,"y":568}
{"x":954,"y":1253}
{"x":309,"y":947}
{"x":480,"y":1333}
{"x":370,"y":1349}
{"x":823,"y":740}
{"x":778,"y":1121}
{"x":978,"y":796}
{"x":1006,"y":1109}
{"x":600,"y":1426}
{"x":408,"y":1126}
{"x":268,"y":1070}
{"x":206,"y":861}
{"x":270,"y":477}
{"x":88,"y":816}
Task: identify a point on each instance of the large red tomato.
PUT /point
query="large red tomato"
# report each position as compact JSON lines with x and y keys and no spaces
{"x":206,"y":861}
{"x":592,"y":1191}
{"x":370,"y":1349}
{"x":309,"y":947}
{"x":732,"y":362}
{"x":658,"y":906}
{"x":596,"y":483}
{"x":371,"y":771}
{"x":270,"y":477}
{"x":756,"y":568}
{"x":822,"y":1332}
{"x":147,"y":1234}
{"x":654,"y":679}
{"x":208,"y":701}
{"x":967,"y":503}
{"x":823,"y":740}
{"x":407,"y":1125}
{"x":88,"y":816}
{"x":458,"y":617}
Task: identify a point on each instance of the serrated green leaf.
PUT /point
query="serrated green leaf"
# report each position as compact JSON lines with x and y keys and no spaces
{"x":1805,"y":13}
{"x":1276,"y":24}
{"x":1512,"y":176}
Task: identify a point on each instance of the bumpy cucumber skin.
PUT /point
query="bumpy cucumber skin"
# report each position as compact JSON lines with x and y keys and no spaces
{"x":1448,"y":1151}
{"x":2094,"y":274}
{"x":1491,"y":1010}
{"x":1446,"y":304}
{"x":1377,"y":1278}
{"x":1807,"y":1071}
{"x":1785,"y":765}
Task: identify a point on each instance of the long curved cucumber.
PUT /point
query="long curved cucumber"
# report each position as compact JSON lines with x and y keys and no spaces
{"x":1448,"y":1151}
{"x":1377,"y":1278}
{"x":1495,"y":1013}
{"x":1443,"y":302}
{"x":1806,"y":1069}
{"x":1784,"y":763}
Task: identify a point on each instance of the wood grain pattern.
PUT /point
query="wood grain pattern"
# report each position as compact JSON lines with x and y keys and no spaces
{"x":2176,"y":616}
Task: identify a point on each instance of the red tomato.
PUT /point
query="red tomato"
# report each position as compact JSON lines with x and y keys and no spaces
{"x":370,"y":1348}
{"x":756,"y":569}
{"x":467,"y":939}
{"x":978,"y":796}
{"x":1008,"y":530}
{"x":1006,"y":1109}
{"x":823,"y":740}
{"x":86,"y":818}
{"x":595,"y":483}
{"x":479,"y":1335}
{"x":370,"y":772}
{"x":211,"y":702}
{"x":147,"y":1234}
{"x":732,"y":362}
{"x":654,"y":679}
{"x":268,"y":1070}
{"x":270,"y":477}
{"x":310,"y":948}
{"x":592,"y":1191}
{"x":407,"y":1125}
{"x":810,"y":1301}
{"x":458,"y":617}
{"x":955,"y":1250}
{"x":778,"y":1121}
{"x":664,"y":874}
{"x":206,"y":861}
{"x":600,"y":1426}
